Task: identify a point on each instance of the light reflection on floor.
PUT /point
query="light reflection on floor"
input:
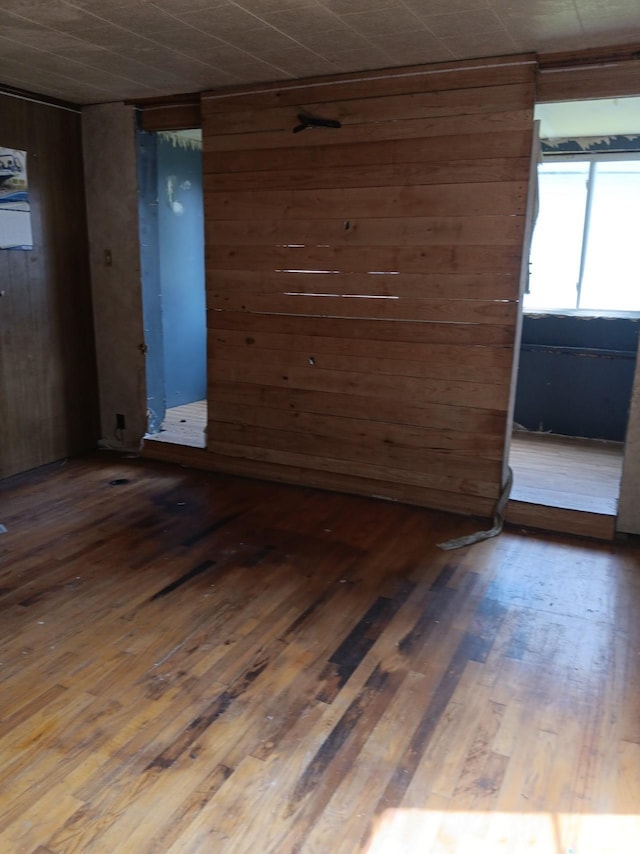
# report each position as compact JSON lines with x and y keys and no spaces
{"x":407,"y":831}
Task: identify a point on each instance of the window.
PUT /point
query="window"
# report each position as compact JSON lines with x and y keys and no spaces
{"x":585,"y":252}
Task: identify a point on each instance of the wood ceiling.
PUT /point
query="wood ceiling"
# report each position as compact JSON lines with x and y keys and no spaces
{"x":94,"y":51}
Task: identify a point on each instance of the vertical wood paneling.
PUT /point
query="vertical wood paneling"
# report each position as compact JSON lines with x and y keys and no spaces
{"x":48,"y":397}
{"x":109,"y":147}
{"x":363,"y":282}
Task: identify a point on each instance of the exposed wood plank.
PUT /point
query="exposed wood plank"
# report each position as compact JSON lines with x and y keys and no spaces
{"x":375,"y":330}
{"x":361,"y":259}
{"x":390,"y":308}
{"x":171,"y":116}
{"x":609,"y":80}
{"x":392,"y":447}
{"x":455,"y":486}
{"x":435,"y":149}
{"x":449,"y":365}
{"x":456,"y":450}
{"x":413,"y":105}
{"x":483,"y":199}
{"x":402,"y":389}
{"x":446,"y":286}
{"x":264,"y":175}
{"x":546,"y":518}
{"x":416,"y":413}
{"x":594,"y":56}
{"x":355,"y":134}
{"x":449,"y":355}
{"x":423,"y":489}
{"x":182,"y":455}
{"x":418,"y":231}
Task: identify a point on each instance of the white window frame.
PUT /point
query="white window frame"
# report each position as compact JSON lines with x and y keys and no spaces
{"x":592,"y":158}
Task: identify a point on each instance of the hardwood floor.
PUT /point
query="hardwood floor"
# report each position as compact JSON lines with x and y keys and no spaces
{"x":565,"y":484}
{"x":576,"y":474}
{"x":200,"y":663}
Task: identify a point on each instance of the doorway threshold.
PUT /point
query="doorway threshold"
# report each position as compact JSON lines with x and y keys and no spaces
{"x":565,"y":484}
{"x":182,"y":439}
{"x":183,"y":425}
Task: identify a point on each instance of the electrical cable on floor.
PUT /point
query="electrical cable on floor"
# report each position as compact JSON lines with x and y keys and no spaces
{"x":498,"y":522}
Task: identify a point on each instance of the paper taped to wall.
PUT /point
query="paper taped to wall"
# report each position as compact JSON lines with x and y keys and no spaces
{"x":15,"y":209}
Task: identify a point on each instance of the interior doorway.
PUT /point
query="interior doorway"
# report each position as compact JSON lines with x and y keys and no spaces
{"x":173,"y":285}
{"x":581,"y":313}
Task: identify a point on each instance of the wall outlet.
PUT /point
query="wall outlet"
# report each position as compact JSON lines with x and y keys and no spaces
{"x":121,"y":423}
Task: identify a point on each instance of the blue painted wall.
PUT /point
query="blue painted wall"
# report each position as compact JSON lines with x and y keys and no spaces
{"x":576,"y":375}
{"x":181,"y":270}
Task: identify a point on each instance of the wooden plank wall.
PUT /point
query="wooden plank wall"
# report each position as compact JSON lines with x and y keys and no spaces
{"x":604,"y":72}
{"x":179,"y":112}
{"x":362,"y":282}
{"x":48,"y":387}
